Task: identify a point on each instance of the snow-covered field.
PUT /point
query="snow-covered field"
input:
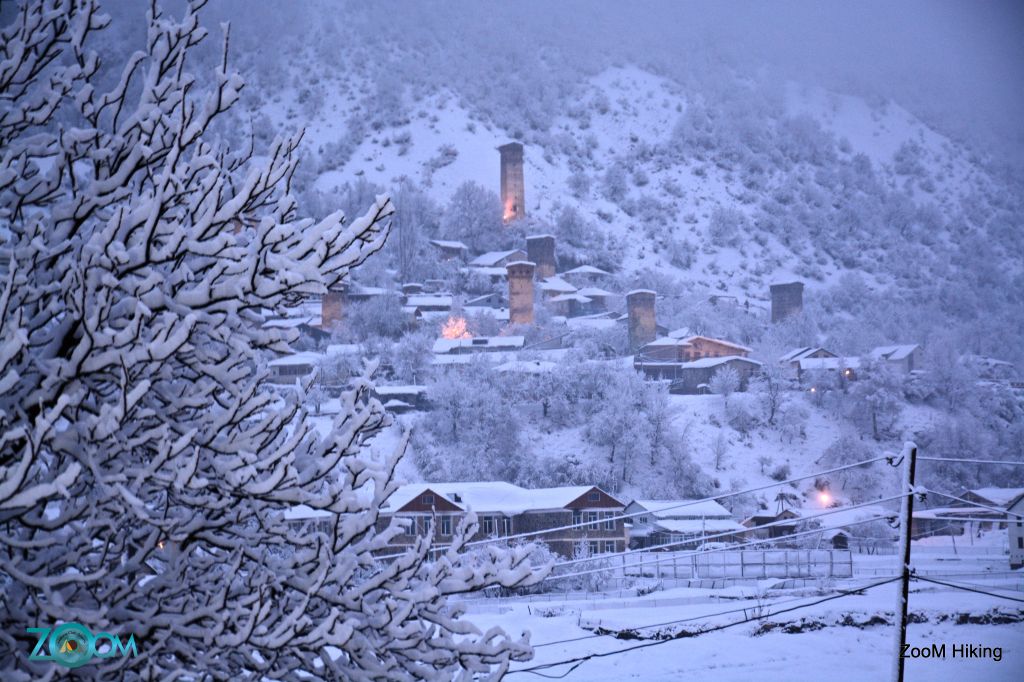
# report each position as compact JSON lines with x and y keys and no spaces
{"x":844,"y":652}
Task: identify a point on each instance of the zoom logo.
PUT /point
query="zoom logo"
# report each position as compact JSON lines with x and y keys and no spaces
{"x":72,"y":645}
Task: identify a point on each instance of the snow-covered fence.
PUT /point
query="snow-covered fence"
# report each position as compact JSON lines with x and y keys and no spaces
{"x":745,"y":564}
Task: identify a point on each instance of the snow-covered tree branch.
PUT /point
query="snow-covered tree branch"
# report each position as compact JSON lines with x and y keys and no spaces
{"x":144,"y":469}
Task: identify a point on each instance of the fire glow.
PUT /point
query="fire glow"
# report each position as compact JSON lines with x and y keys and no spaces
{"x":510,"y":210}
{"x":455,"y":328}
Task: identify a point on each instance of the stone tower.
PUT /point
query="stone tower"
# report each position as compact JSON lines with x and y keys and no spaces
{"x":331,"y":310}
{"x":520,"y":292}
{"x":540,"y":249}
{"x":787,"y":299}
{"x":513,"y":188}
{"x":642,"y":322}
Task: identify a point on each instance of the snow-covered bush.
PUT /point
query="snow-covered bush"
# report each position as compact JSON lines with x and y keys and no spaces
{"x":144,"y":464}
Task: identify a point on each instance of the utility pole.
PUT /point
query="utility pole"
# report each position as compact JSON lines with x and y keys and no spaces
{"x":909,"y":460}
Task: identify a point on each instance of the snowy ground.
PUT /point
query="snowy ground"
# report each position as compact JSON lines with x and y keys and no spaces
{"x":738,"y":653}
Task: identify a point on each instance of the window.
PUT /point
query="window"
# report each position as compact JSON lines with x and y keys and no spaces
{"x":592,"y":518}
{"x":446,"y":525}
{"x":428,"y":499}
{"x":609,"y":524}
{"x":577,"y":517}
{"x":506,"y":525}
{"x":488,"y":525}
{"x":609,"y":546}
{"x":641,"y":519}
{"x":423,"y":525}
{"x":593,"y":547}
{"x":594,"y":496}
{"x":1020,"y":543}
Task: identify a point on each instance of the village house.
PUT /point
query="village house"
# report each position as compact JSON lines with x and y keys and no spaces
{"x":1015,"y":532}
{"x":662,"y":522}
{"x":450,"y":250}
{"x":572,"y":514}
{"x":959,"y":517}
{"x":286,"y":369}
{"x":905,"y":358}
{"x":478,"y":344}
{"x":404,"y":398}
{"x":787,"y":521}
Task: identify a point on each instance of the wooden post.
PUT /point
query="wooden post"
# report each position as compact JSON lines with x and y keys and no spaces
{"x":906,"y":518}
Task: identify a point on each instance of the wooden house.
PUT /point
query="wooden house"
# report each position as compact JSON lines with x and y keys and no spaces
{"x":1015,"y":531}
{"x":564,"y":516}
{"x":905,"y":358}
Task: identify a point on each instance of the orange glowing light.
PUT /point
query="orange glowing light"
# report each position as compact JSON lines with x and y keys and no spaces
{"x":824,"y":498}
{"x":510,"y":210}
{"x":455,"y":328}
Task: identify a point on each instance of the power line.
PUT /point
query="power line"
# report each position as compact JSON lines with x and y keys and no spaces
{"x":968,"y":589}
{"x":973,"y":461}
{"x":578,"y":661}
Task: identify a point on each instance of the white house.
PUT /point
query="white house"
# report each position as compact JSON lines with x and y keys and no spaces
{"x":661,"y":522}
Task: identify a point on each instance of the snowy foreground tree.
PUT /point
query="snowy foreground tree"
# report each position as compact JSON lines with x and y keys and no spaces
{"x":143,"y":469}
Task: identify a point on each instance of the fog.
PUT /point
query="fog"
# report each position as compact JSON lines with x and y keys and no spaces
{"x":958,"y":65}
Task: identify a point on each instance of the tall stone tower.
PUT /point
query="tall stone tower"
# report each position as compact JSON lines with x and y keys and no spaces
{"x":787,"y":299}
{"x":513,"y":188}
{"x":540,"y":249}
{"x":520,"y":292}
{"x":331,"y":310}
{"x":643,"y":326}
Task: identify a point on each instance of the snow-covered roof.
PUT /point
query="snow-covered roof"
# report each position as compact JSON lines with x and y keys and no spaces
{"x":431,"y":300}
{"x":844,"y":517}
{"x":715,"y":362}
{"x":527,"y":366}
{"x":490,"y":496}
{"x":557,"y":284}
{"x":445,"y":244}
{"x":952,"y":513}
{"x":700,"y":526}
{"x":493,"y":258}
{"x":894,"y":352}
{"x":396,"y":404}
{"x":667,"y":509}
{"x":479,"y":342}
{"x":407,"y":389}
{"x":681,"y":333}
{"x":642,"y":291}
{"x":486,"y":297}
{"x":539,"y":236}
{"x":595,"y":292}
{"x":666,"y":341}
{"x":800,"y":353}
{"x":300,"y":358}
{"x":570,"y":297}
{"x":999,"y":497}
{"x":592,"y":322}
{"x":586,"y":270}
{"x":691,"y":339}
{"x":828,"y":363}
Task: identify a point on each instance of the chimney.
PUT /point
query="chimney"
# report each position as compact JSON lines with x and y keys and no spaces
{"x":513,"y":192}
{"x":520,"y":292}
{"x":330,"y":310}
{"x":642,"y":324}
{"x":787,"y":299}
{"x":540,"y":249}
